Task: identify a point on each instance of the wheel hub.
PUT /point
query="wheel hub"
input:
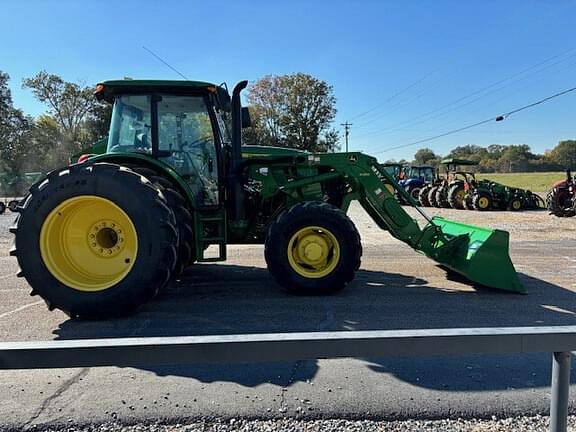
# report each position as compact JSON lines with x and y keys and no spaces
{"x":313,"y":248}
{"x":313,"y":252}
{"x":106,"y":238}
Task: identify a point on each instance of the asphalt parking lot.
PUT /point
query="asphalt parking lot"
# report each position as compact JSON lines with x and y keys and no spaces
{"x":396,"y":288}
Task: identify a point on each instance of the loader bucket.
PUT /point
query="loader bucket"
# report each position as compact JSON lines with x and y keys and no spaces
{"x":481,"y":255}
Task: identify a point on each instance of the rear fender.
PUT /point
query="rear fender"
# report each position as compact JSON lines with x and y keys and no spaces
{"x":148,"y":162}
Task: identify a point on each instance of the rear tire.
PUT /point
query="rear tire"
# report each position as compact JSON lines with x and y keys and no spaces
{"x":432,"y":197}
{"x":559,"y":202}
{"x":184,"y":220}
{"x":2,"y":207}
{"x":129,"y":249}
{"x":423,"y":196}
{"x":469,"y":201}
{"x":456,"y":196}
{"x":313,"y":248}
{"x":442,"y":198}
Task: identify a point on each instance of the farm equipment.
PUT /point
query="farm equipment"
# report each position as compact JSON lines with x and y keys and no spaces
{"x":396,"y":170}
{"x":417,"y":176}
{"x":102,"y":237}
{"x":450,"y":192}
{"x":489,"y":195}
{"x":561,"y":199}
{"x":15,"y":185}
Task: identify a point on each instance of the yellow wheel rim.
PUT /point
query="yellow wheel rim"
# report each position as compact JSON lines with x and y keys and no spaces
{"x":88,"y":243}
{"x":460,"y":195}
{"x":313,"y":252}
{"x":516,"y":205}
{"x":483,"y":202}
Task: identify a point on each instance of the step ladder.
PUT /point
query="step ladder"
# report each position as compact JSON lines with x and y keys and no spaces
{"x":210,"y":229}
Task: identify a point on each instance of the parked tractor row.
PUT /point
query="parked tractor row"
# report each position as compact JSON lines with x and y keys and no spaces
{"x":458,"y":188}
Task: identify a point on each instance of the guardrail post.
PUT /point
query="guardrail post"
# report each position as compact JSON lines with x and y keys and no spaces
{"x":560,"y":387}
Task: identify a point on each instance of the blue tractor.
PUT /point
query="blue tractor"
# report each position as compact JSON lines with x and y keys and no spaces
{"x":416,"y":177}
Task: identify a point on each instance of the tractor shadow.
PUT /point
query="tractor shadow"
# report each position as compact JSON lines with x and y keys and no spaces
{"x":214,"y":299}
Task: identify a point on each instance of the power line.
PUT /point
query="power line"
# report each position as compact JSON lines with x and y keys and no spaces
{"x":497,"y":118}
{"x":395,"y":95}
{"x":347,"y":132}
{"x":442,"y":109}
{"x":166,"y":63}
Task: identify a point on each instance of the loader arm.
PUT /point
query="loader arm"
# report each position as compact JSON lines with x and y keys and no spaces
{"x":479,"y":254}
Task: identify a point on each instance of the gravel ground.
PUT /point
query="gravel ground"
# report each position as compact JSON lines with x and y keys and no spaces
{"x":519,"y":424}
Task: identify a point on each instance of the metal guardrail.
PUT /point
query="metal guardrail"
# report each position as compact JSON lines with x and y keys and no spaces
{"x":154,"y":351}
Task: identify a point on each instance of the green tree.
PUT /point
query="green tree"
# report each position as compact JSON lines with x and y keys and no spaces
{"x":69,"y":103}
{"x":16,"y":148}
{"x":98,"y":122}
{"x":425,"y":156}
{"x":564,"y":154}
{"x":470,"y":151}
{"x":292,"y":111}
{"x":47,"y":138}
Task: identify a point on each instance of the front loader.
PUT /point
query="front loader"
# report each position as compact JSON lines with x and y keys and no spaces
{"x":101,"y":237}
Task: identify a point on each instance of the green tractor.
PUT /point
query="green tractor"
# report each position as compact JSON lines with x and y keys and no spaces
{"x":488,"y":195}
{"x":101,"y":237}
{"x":451,"y":191}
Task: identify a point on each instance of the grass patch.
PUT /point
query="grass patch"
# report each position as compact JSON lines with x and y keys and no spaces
{"x":536,"y":181}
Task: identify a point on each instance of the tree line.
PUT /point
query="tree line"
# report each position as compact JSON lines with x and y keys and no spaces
{"x":295,"y":111}
{"x":74,"y":120}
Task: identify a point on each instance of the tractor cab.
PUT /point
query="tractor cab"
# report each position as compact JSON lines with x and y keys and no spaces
{"x":395,"y":169}
{"x":181,"y":124}
{"x":456,"y":184}
{"x":425,"y":173}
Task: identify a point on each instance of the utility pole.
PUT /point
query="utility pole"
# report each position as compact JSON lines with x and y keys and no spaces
{"x":346,"y":132}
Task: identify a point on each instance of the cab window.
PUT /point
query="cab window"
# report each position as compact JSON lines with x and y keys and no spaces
{"x":186,"y":137}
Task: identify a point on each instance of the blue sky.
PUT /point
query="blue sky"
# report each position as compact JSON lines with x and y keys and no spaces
{"x":402,"y":71}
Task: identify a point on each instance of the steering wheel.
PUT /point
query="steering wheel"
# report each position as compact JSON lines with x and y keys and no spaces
{"x":197,"y":141}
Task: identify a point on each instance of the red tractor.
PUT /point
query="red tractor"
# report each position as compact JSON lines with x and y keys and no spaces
{"x":561,"y":199}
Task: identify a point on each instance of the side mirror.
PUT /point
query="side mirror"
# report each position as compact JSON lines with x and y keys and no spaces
{"x":246,"y":120}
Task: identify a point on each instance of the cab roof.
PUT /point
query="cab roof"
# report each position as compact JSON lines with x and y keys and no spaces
{"x":455,"y":161}
{"x":108,"y":89}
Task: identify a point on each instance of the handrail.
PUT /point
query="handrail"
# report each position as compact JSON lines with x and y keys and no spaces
{"x":153,"y":351}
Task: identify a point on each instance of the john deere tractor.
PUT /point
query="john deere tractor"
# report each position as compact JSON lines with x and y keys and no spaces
{"x":451,"y":191}
{"x":489,"y":195}
{"x":102,"y":237}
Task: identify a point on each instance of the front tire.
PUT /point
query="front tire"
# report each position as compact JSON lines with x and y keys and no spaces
{"x":313,"y":248}
{"x":515,"y":204}
{"x":107,"y":240}
{"x":12,"y":205}
{"x":482,"y":201}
